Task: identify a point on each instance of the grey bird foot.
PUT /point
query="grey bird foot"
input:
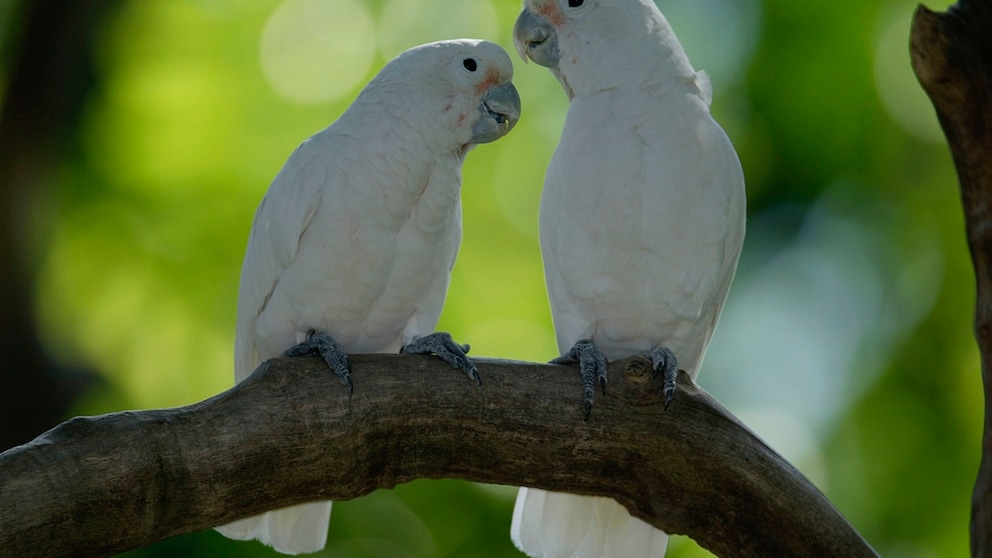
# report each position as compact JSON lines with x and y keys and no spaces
{"x":592,"y":365}
{"x":441,"y":344}
{"x":322,"y":344}
{"x":664,"y":362}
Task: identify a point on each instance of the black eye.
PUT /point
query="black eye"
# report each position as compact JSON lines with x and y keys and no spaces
{"x":575,"y":3}
{"x":470,"y":63}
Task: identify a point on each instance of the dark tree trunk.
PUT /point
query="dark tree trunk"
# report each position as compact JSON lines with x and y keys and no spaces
{"x":952,"y":56}
{"x":50,"y":71}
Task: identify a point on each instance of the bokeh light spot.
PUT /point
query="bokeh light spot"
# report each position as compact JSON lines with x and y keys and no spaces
{"x":900,"y":93}
{"x":314,"y":52}
{"x":736,"y":22}
{"x":407,"y":23}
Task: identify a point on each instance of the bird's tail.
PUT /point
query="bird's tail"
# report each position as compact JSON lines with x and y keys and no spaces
{"x":293,"y":530}
{"x":557,"y":525}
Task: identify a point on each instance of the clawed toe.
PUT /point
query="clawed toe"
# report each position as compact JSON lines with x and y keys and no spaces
{"x":664,"y":362}
{"x":592,"y":366}
{"x":444,"y":347}
{"x":323,"y":344}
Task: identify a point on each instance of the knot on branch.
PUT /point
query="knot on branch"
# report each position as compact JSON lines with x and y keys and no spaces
{"x":638,"y":371}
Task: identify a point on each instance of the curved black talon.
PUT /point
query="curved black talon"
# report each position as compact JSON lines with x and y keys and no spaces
{"x":324,"y":345}
{"x":441,"y":344}
{"x":592,"y":366}
{"x":664,"y":362}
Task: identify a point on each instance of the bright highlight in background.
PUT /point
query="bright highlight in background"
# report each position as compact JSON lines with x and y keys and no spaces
{"x":407,"y":23}
{"x":901,"y":95}
{"x":314,"y":52}
{"x":736,"y":22}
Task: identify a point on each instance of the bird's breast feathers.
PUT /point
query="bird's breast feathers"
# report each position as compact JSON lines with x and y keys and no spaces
{"x":368,"y":261}
{"x":636,"y":218}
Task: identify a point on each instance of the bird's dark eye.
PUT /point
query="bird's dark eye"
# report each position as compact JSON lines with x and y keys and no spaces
{"x":470,"y":64}
{"x":575,"y":3}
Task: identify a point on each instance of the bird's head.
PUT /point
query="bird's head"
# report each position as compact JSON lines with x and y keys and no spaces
{"x":462,"y":88}
{"x":535,"y":33}
{"x":591,"y":45}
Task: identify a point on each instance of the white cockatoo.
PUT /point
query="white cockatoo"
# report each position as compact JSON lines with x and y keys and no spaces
{"x":642,"y":221}
{"x":352,"y":247}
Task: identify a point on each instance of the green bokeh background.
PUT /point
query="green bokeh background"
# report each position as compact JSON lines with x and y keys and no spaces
{"x":846,"y":341}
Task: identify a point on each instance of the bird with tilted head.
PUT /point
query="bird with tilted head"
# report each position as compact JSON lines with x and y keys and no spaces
{"x":352,"y":247}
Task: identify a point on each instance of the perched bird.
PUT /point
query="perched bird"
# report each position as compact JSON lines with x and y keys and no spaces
{"x":352,"y":247}
{"x":641,"y":220}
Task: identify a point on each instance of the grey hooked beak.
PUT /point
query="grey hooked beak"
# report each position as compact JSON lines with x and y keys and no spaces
{"x":536,"y":39}
{"x":500,"y":110}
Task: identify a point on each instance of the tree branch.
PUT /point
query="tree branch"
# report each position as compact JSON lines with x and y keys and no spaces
{"x":94,"y":486}
{"x":952,"y":58}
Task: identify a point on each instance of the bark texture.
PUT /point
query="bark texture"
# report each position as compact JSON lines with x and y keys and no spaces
{"x":952,"y":56}
{"x":95,"y":486}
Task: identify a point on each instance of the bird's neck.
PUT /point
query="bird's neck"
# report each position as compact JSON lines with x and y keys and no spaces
{"x":419,"y":168}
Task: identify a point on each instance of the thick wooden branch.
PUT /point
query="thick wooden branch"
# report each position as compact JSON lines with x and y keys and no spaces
{"x":952,"y":56}
{"x":95,"y":486}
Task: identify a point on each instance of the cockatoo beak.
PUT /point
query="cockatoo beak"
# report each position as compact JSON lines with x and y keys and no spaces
{"x":500,"y":110}
{"x":535,"y":38}
{"x":503,"y":101}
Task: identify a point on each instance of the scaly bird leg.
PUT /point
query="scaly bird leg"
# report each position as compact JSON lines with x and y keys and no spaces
{"x":665,"y":363}
{"x":592,"y":366}
{"x":323,"y":344}
{"x":441,"y":344}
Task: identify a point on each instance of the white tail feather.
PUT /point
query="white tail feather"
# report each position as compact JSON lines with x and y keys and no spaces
{"x":557,"y":525}
{"x":293,"y":530}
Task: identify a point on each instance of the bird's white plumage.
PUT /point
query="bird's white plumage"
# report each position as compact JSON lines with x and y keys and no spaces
{"x":642,"y":221}
{"x":357,"y":234}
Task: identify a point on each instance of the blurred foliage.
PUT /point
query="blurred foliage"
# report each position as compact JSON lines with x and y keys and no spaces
{"x":846,"y":341}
